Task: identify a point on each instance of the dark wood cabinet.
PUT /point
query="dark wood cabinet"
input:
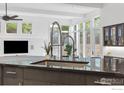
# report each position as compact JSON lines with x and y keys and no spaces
{"x":66,"y":78}
{"x":12,"y":75}
{"x":114,"y":64}
{"x":52,"y":77}
{"x":114,"y":35}
{"x":41,"y":76}
{"x":91,"y":79}
{"x":35,"y":82}
{"x":15,"y":75}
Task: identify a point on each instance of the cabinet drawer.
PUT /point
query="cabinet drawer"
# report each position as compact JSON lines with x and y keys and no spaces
{"x":12,"y":72}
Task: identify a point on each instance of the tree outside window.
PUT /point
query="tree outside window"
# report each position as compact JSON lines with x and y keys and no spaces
{"x":11,"y":28}
{"x":97,"y":22}
{"x":87,"y":25}
{"x":27,"y":28}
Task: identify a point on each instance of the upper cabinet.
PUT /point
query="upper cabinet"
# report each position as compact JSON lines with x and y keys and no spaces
{"x":114,"y":35}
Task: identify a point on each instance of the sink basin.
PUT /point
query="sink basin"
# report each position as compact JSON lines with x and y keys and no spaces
{"x":61,"y":63}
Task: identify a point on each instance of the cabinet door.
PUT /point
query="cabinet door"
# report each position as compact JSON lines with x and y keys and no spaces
{"x":92,"y":79}
{"x":113,"y":36}
{"x":12,"y":75}
{"x":120,"y":34}
{"x":120,"y":65}
{"x":44,"y":77}
{"x":40,"y":75}
{"x":107,"y":34}
{"x":106,"y":63}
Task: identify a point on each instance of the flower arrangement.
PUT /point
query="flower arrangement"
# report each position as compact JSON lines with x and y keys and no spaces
{"x":47,"y":48}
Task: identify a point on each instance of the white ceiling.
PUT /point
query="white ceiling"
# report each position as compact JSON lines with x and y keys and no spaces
{"x":95,"y":5}
{"x":57,"y":9}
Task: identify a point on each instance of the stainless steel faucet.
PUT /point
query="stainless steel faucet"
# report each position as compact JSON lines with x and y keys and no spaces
{"x":60,"y":44}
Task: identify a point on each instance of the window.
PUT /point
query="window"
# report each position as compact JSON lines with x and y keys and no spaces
{"x":87,"y":25}
{"x":97,"y":43}
{"x":65,"y":33}
{"x":0,"y":27}
{"x":81,"y":38}
{"x":88,"y":37}
{"x":55,"y":40}
{"x":65,"y":28}
{"x":97,"y":21}
{"x":11,"y":28}
{"x":27,"y":28}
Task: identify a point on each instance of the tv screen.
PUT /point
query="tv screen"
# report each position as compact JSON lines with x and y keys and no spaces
{"x":11,"y":47}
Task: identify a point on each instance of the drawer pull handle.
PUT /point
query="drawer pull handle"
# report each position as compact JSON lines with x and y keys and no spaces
{"x":10,"y":72}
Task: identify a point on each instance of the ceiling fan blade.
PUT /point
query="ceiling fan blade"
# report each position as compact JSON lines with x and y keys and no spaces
{"x":7,"y":18}
{"x":17,"y":19}
{"x":14,"y":16}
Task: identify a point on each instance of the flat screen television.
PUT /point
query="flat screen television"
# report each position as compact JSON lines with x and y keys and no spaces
{"x":11,"y":47}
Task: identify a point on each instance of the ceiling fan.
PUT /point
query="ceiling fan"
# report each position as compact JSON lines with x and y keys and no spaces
{"x":7,"y":18}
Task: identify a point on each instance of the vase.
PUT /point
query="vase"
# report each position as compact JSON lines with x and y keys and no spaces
{"x":47,"y":57}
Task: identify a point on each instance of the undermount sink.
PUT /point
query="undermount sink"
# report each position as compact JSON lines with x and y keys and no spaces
{"x":61,"y":63}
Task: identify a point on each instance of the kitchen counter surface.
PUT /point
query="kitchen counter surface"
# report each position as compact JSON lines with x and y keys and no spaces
{"x":26,"y":61}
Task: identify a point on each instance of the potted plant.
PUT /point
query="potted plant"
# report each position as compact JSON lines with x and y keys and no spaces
{"x":68,"y":49}
{"x":47,"y":49}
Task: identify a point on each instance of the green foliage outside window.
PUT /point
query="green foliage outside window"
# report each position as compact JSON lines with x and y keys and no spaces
{"x":81,"y":26}
{"x":87,"y":25}
{"x":11,"y":27}
{"x":97,"y":22}
{"x":65,"y":28}
{"x":26,"y":28}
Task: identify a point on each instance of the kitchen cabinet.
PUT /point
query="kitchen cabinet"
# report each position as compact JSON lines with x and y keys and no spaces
{"x":35,"y":82}
{"x":12,"y":75}
{"x":67,"y":78}
{"x":113,"y":64}
{"x":39,"y":76}
{"x":46,"y":77}
{"x":114,"y":35}
{"x":16,"y":75}
{"x":91,"y":79}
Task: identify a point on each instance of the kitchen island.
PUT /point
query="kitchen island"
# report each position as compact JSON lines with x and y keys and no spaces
{"x":23,"y":70}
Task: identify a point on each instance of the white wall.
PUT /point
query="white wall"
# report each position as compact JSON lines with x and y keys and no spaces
{"x":40,"y":33}
{"x":113,"y":14}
